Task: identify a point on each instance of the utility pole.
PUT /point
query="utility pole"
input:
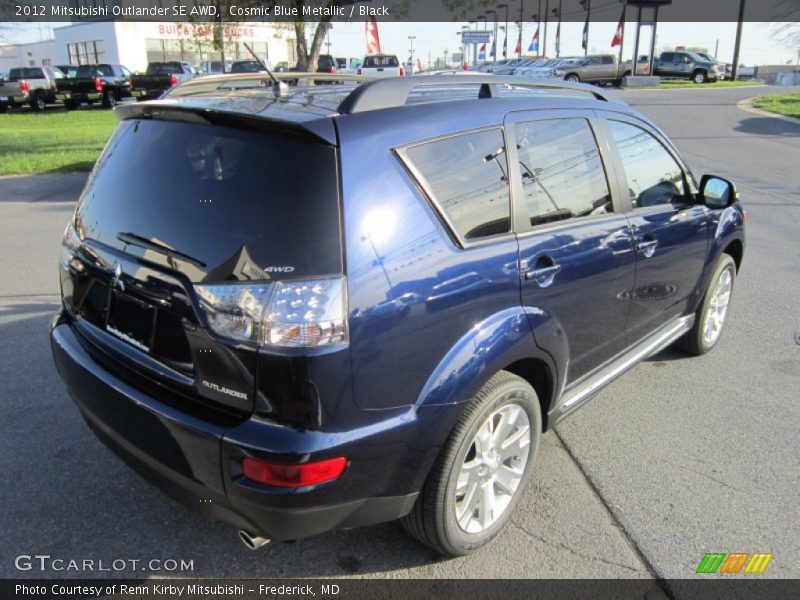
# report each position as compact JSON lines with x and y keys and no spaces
{"x":622,"y":36}
{"x":558,"y":32}
{"x":411,"y":39}
{"x":546,"y":19}
{"x":494,"y":35}
{"x":737,"y":46}
{"x":716,"y":49}
{"x":328,"y":42}
{"x":521,"y":20}
{"x":505,"y":29}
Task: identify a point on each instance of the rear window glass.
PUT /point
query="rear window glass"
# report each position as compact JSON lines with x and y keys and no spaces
{"x":248,"y":66}
{"x":232,"y":199}
{"x":467,"y":177}
{"x":17,"y":74}
{"x":381,"y":61}
{"x":168,"y":68}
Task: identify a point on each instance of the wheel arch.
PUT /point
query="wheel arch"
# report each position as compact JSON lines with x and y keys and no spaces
{"x":541,"y":378}
{"x":735,"y":249}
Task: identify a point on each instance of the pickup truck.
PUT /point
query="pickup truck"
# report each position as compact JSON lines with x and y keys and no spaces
{"x":159,"y":77}
{"x":595,"y":68}
{"x":107,"y":83}
{"x":35,"y":86}
{"x":381,"y":65}
{"x":687,"y":65}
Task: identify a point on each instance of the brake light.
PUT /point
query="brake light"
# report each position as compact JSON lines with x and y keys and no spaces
{"x":296,"y":475}
{"x":173,"y":81}
{"x":402,"y":72}
{"x":359,"y":71}
{"x":333,"y":69}
{"x":288,"y":314}
{"x":98,"y":84}
{"x":24,"y":87}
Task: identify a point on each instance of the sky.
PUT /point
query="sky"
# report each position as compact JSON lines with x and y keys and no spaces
{"x":759,"y":45}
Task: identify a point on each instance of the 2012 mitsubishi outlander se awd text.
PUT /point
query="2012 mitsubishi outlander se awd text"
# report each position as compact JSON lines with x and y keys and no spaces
{"x":329,"y":306}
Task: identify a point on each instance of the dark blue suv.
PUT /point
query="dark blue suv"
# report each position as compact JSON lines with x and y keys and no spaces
{"x":336,"y":305}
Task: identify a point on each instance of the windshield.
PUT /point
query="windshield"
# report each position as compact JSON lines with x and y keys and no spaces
{"x":381,"y":61}
{"x":228,"y":198}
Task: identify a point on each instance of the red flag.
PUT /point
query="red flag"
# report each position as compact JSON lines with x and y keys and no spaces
{"x":373,"y":41}
{"x":617,"y":41}
{"x":518,"y":49}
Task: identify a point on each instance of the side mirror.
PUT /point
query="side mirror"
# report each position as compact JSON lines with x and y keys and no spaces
{"x":716,"y":192}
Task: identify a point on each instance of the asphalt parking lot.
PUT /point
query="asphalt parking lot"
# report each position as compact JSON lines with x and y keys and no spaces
{"x":678,"y":458}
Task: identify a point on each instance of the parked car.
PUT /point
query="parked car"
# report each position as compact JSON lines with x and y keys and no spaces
{"x":508,"y":67}
{"x":723,"y":69}
{"x":159,"y":77}
{"x":295,"y":354}
{"x":539,"y":68}
{"x":107,"y":83}
{"x":348,"y":66}
{"x":686,"y":65}
{"x":213,"y":67}
{"x":247,"y":66}
{"x":381,"y":65}
{"x":35,"y":86}
{"x":597,"y":68}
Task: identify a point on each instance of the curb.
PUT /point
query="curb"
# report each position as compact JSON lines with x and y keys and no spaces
{"x":701,"y":89}
{"x":747,"y":106}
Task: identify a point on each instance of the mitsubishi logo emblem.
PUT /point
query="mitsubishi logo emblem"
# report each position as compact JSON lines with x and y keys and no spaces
{"x":117,"y":282}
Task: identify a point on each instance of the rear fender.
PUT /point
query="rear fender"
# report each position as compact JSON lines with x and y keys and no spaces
{"x":487,"y":348}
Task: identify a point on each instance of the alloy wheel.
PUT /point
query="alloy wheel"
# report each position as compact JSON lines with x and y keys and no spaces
{"x":717,"y":309}
{"x":492,"y":468}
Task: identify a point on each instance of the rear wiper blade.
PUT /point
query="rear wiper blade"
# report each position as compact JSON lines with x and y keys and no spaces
{"x":142,"y":242}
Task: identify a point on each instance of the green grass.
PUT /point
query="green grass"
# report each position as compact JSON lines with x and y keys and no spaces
{"x":783,"y":104}
{"x":55,"y":140}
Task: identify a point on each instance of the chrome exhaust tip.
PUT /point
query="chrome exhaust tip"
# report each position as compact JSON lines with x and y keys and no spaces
{"x":253,"y":542}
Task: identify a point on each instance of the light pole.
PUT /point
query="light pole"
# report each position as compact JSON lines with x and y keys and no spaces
{"x":411,"y":39}
{"x":463,"y":43}
{"x":738,"y":45}
{"x":328,"y":42}
{"x":587,"y":5}
{"x":538,"y":28}
{"x":521,"y":21}
{"x":494,"y":38}
{"x":505,"y":29}
{"x":479,"y":17}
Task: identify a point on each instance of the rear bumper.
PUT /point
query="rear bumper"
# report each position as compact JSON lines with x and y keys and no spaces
{"x":78,"y":96}
{"x":195,"y":461}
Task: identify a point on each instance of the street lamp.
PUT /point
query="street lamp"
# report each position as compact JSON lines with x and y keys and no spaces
{"x":479,"y":17}
{"x":505,"y":37}
{"x":446,"y":64}
{"x":494,"y":39}
{"x":411,"y":39}
{"x":463,"y":43}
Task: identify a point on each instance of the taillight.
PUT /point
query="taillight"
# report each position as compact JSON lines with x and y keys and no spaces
{"x":173,"y":81}
{"x":402,"y":72}
{"x":98,"y":84}
{"x":290,"y":314}
{"x":359,"y":71}
{"x":24,"y":87}
{"x":296,"y":475}
{"x":333,"y":69}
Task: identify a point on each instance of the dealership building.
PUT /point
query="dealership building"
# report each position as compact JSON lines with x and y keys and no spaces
{"x":134,"y":44}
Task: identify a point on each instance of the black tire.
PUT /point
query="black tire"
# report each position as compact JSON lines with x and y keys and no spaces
{"x":694,"y":341}
{"x":70,"y":104}
{"x":573,"y":77}
{"x":432,"y":520}
{"x":700,"y":76}
{"x":109,"y":99}
{"x":38,"y":102}
{"x":3,"y":108}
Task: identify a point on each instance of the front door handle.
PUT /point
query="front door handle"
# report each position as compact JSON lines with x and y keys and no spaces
{"x":647,"y":247}
{"x":543,"y":276}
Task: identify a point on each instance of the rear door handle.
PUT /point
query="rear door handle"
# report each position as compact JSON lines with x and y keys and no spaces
{"x":647,"y":247}
{"x":543,"y":276}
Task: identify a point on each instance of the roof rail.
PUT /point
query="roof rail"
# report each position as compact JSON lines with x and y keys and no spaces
{"x":393,"y":92}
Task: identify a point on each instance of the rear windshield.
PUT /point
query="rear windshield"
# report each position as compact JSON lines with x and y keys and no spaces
{"x":95,"y":71}
{"x":381,"y":61}
{"x":167,"y":68}
{"x":17,"y":74}
{"x":245,"y":204}
{"x":249,"y":66}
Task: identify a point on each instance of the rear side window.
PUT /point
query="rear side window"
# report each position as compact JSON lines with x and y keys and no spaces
{"x":668,"y":57}
{"x":17,"y":74}
{"x":229,"y":198}
{"x":87,"y":71}
{"x":562,"y":173}
{"x":467,"y":177}
{"x":654,"y":177}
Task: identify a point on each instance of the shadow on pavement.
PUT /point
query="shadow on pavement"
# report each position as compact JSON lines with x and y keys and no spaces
{"x":768,"y":126}
{"x":49,"y":187}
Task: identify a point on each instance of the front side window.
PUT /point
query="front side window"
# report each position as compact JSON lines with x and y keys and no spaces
{"x":467,"y":176}
{"x":653,"y":176}
{"x":562,"y":173}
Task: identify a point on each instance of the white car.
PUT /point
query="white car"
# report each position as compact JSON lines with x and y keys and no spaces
{"x":381,"y":65}
{"x":347,"y":66}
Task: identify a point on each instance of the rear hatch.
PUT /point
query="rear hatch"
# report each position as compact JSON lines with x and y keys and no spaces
{"x":182,"y":213}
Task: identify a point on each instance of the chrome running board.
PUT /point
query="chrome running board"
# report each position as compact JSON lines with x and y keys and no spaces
{"x":583,"y":390}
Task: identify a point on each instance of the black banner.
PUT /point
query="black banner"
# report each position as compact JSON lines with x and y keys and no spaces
{"x":716,"y":588}
{"x":395,"y":10}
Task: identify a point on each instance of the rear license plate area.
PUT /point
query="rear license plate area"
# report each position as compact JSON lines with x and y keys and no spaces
{"x":131,"y":321}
